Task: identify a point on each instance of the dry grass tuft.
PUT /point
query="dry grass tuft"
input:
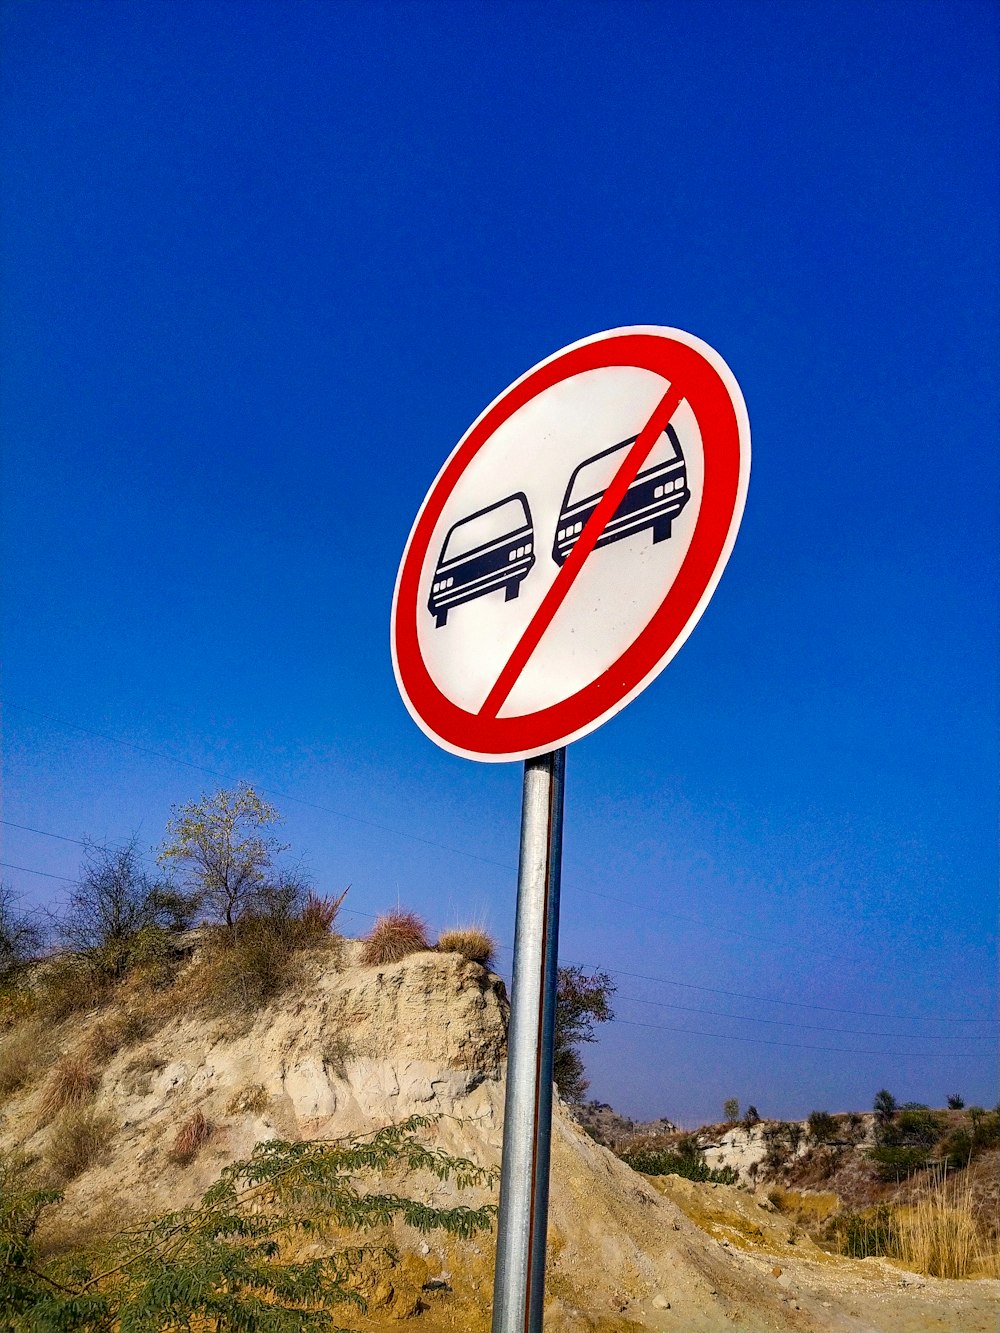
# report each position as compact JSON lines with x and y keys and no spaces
{"x":337,"y":1050}
{"x":471,"y":942}
{"x":22,"y":1056}
{"x":69,"y":985}
{"x":112,"y":1034}
{"x":319,"y":914}
{"x":17,"y":1003}
{"x":394,"y":936}
{"x":251,"y":1099}
{"x":240,"y":971}
{"x":192,"y":1135}
{"x":73,"y":1081}
{"x":940,"y":1234}
{"x":76,"y":1141}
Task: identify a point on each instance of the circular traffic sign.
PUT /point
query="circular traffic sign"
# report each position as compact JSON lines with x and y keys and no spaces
{"x":570,"y":543}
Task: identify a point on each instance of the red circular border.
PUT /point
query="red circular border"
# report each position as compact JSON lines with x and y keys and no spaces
{"x":709,"y":398}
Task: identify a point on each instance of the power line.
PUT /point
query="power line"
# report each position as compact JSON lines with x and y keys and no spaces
{"x":796,"y":1004}
{"x":44,"y":832}
{"x":271,"y":791}
{"x":593,"y":893}
{"x":639,"y":976}
{"x":811,"y":1027}
{"x":44,"y":873}
{"x":694,"y":1032}
{"x":714,"y":927}
{"x":801,"y":1046}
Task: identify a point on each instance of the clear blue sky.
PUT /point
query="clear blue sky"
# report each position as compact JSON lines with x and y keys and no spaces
{"x":262,"y":266}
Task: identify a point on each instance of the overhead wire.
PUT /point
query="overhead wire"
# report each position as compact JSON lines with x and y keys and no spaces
{"x":811,"y":1027}
{"x":44,"y":832}
{"x":45,"y":874}
{"x":406,"y":835}
{"x":673,"y":911}
{"x":618,"y":972}
{"x":802,"y":1046}
{"x":270,"y":791}
{"x":795,"y":1004}
{"x":664,"y":1027}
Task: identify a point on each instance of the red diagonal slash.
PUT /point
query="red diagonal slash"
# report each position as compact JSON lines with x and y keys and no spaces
{"x":583,"y":546}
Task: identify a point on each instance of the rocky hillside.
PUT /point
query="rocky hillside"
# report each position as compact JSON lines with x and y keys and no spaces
{"x":349,"y":1048}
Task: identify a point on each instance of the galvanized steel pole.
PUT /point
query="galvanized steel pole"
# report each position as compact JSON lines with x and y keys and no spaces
{"x":519,"y":1286}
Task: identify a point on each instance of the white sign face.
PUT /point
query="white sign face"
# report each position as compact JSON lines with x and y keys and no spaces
{"x":570,"y":543}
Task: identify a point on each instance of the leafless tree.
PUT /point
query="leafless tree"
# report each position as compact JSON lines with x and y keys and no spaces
{"x":20,"y":934}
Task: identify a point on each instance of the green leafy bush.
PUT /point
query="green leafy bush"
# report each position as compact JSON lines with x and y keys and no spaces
{"x":582,"y":999}
{"x":692,"y":1166}
{"x":916,"y":1125}
{"x":219,"y":1266}
{"x":885,"y":1105}
{"x":896,"y":1163}
{"x":863,"y":1234}
{"x":823,"y":1126}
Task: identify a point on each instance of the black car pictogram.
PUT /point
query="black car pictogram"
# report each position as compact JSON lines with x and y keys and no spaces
{"x":654,"y":499}
{"x":489,"y":550}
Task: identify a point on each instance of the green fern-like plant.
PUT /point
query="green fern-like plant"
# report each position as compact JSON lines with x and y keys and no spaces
{"x":219,"y":1266}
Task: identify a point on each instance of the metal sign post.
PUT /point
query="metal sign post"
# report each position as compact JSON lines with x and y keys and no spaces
{"x":519,"y":1285}
{"x":600,"y":494}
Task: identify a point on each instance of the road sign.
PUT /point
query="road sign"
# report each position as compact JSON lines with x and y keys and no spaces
{"x":570,"y":543}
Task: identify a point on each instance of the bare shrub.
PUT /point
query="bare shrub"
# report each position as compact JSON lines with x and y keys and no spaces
{"x":471,"y":942}
{"x":394,"y":936}
{"x":192,"y":1135}
{"x":73,"y":1081}
{"x":75,"y":1142}
{"x":251,"y":1099}
{"x":20,"y":935}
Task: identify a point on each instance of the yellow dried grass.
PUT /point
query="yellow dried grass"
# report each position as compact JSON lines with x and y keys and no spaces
{"x":192,"y":1135}
{"x":940,"y":1233}
{"x":471,"y":942}
{"x":73,"y":1081}
{"x":394,"y":936}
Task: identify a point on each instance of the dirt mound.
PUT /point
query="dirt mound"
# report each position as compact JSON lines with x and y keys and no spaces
{"x":354,"y":1048}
